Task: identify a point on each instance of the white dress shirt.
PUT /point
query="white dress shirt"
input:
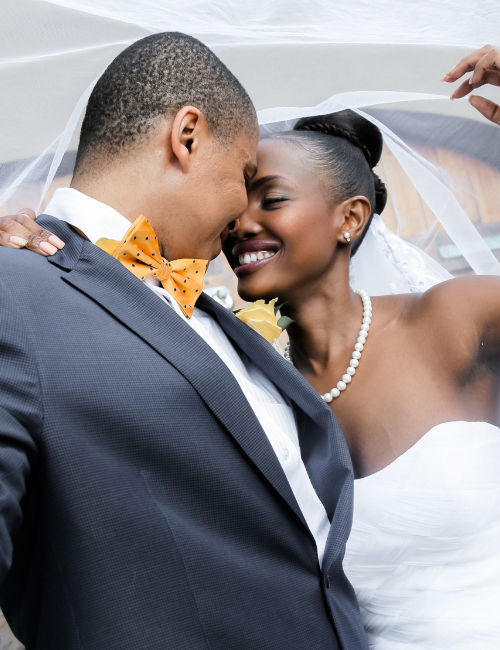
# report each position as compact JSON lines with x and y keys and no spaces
{"x":276,"y":416}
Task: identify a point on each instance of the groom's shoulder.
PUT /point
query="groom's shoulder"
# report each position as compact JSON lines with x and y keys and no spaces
{"x":13,"y":261}
{"x":25,"y":268}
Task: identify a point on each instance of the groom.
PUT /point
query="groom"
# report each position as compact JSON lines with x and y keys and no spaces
{"x":167,"y":480}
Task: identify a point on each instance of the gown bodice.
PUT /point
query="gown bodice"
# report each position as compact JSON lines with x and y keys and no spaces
{"x":424,"y":551}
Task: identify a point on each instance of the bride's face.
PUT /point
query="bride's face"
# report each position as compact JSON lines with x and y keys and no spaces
{"x":287,"y":239}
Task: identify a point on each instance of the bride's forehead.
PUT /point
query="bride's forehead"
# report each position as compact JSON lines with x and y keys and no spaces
{"x":280,"y":157}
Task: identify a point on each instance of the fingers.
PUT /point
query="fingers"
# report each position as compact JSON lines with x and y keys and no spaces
{"x":10,"y":241}
{"x":490,"y":110}
{"x":468,"y":63}
{"x":18,"y":231}
{"x":28,"y":212}
{"x":491,"y":78}
{"x":465,"y":88}
{"x":43,"y":242}
{"x":490,"y":61}
{"x":19,"y":225}
{"x":485,"y":67}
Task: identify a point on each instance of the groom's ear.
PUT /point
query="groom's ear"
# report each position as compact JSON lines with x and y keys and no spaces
{"x":189,"y":131}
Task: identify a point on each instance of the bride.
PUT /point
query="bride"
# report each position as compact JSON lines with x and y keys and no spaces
{"x":413,"y":378}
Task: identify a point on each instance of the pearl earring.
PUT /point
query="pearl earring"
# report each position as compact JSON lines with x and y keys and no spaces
{"x":347,"y":237}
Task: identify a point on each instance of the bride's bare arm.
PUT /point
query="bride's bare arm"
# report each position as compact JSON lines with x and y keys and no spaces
{"x":21,"y":231}
{"x":482,"y":298}
{"x":478,"y":299}
{"x":464,"y":316}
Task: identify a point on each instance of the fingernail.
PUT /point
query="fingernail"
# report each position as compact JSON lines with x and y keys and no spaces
{"x":48,"y":248}
{"x":18,"y":241}
{"x":56,"y":241}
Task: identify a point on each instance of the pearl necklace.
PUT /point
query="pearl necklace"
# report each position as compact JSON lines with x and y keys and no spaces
{"x":358,"y":348}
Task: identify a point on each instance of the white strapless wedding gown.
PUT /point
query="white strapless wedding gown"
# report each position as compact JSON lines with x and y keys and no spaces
{"x":424,"y":552}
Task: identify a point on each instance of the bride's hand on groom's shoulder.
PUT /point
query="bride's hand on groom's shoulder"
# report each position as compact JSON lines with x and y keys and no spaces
{"x":21,"y":231}
{"x":485,"y":67}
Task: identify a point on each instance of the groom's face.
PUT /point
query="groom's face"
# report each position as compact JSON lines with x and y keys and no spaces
{"x":224,"y":179}
{"x":210,"y":198}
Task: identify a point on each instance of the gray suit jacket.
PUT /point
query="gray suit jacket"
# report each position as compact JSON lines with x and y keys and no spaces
{"x":141,"y":503}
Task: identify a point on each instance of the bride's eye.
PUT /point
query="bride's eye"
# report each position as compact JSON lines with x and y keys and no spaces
{"x":271,"y":201}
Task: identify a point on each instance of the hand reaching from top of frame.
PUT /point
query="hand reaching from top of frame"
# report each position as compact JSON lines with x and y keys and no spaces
{"x":485,"y":67}
{"x":21,"y":231}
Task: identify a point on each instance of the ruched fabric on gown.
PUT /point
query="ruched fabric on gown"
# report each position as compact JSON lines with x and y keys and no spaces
{"x":424,"y":552}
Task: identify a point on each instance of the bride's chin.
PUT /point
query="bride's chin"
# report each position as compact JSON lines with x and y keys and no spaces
{"x":247,"y":295}
{"x":251,"y":292}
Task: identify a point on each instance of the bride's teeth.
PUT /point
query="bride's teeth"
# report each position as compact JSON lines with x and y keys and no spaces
{"x":248,"y":258}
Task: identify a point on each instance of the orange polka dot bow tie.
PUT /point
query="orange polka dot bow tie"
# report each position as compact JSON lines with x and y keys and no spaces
{"x":140,"y":253}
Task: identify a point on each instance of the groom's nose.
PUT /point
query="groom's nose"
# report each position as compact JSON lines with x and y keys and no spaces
{"x":246,"y":226}
{"x":231,"y":227}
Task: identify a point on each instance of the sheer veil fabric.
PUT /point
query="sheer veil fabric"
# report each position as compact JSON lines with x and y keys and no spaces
{"x":382,"y":59}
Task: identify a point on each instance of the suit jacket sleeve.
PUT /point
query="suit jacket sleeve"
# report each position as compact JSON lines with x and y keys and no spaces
{"x":21,"y":416}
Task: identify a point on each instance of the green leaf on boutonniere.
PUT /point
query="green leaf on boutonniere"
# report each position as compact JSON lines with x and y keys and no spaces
{"x":285,"y":321}
{"x":278,"y":307}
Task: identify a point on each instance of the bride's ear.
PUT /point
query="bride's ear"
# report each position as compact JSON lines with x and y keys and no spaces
{"x":356,"y":213}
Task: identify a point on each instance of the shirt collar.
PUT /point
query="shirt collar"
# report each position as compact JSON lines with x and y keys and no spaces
{"x":90,"y":216}
{"x":96,"y":220}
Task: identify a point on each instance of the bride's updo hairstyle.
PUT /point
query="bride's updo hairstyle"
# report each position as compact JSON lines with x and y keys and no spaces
{"x":344,"y":147}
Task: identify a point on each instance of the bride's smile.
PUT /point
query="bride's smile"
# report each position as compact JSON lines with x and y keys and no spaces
{"x":252,"y":255}
{"x":285,"y":241}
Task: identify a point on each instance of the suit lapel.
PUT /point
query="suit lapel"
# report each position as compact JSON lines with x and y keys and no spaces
{"x":107,"y":282}
{"x":272,"y":364}
{"x":322,"y":443}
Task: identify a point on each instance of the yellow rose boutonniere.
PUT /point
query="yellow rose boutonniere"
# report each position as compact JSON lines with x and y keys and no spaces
{"x":262,"y":318}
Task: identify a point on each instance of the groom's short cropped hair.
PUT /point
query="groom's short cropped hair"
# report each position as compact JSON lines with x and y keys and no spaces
{"x":153,"y":78}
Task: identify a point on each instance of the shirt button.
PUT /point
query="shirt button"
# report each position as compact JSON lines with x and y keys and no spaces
{"x":286,"y":453}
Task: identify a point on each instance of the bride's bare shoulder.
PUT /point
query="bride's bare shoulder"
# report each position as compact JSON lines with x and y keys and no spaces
{"x":461,"y":303}
{"x":473,"y":300}
{"x":477,"y":294}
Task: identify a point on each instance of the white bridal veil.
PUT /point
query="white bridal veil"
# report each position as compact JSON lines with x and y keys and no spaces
{"x":381,"y":58}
